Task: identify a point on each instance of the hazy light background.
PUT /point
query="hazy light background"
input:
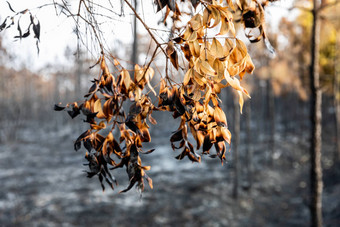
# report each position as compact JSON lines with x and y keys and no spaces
{"x":57,"y":31}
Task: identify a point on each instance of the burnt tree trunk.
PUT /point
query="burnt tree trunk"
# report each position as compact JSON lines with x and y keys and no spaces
{"x":236,"y":142}
{"x":337,"y":96}
{"x":56,"y":98}
{"x":271,"y":117}
{"x":134,"y":57}
{"x":79,"y":72}
{"x":249,"y":152}
{"x":316,"y":117}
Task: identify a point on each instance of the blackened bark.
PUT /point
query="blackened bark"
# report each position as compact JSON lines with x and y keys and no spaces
{"x":235,"y":144}
{"x":271,"y":116}
{"x":134,"y":57}
{"x":79,"y":72}
{"x":56,"y":98}
{"x":316,"y":117}
{"x":337,"y":96}
{"x":249,"y":152}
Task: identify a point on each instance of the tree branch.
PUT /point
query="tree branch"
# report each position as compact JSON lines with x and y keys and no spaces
{"x":146,"y":27}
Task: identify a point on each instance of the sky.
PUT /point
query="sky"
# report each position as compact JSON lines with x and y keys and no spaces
{"x":57,"y":31}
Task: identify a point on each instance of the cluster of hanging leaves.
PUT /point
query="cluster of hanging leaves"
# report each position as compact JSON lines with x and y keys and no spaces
{"x":104,"y":111}
{"x":213,"y":63}
{"x":34,"y":24}
{"x":251,"y":11}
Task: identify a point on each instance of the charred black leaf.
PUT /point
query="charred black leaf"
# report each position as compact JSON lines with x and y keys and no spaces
{"x":10,"y":7}
{"x":93,"y":164}
{"x":174,"y":59}
{"x":195,"y":3}
{"x":179,"y":107}
{"x":166,"y":100}
{"x":88,"y":144}
{"x":148,"y":152}
{"x":31,"y":18}
{"x":77,"y":143}
{"x":101,"y":181}
{"x":12,"y":19}
{"x":73,"y":113}
{"x":178,"y":40}
{"x":181,"y":144}
{"x":160,"y":4}
{"x":19,"y":29}
{"x":93,"y":89}
{"x":249,"y":19}
{"x":207,"y":144}
{"x":172,"y":5}
{"x":58,"y":108}
{"x":3,"y":25}
{"x":180,"y":156}
{"x":26,"y":34}
{"x":177,"y":136}
{"x":36,"y":30}
{"x":132,"y":126}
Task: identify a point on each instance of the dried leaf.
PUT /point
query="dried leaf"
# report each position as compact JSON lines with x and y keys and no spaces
{"x":219,"y":67}
{"x":188,"y":75}
{"x":98,"y":109}
{"x":174,"y":59}
{"x":219,"y":117}
{"x":196,"y":22}
{"x":170,"y":48}
{"x":216,"y":15}
{"x":36,"y":30}
{"x":216,"y":48}
{"x":205,"y":68}
{"x":58,"y":108}
{"x":10,"y":7}
{"x":235,"y":83}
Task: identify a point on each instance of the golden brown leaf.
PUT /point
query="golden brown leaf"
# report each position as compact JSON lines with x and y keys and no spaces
{"x":188,"y":76}
{"x":219,"y":67}
{"x":196,"y":22}
{"x":170,"y":48}
{"x":219,"y":117}
{"x":216,"y":15}
{"x":98,"y":109}
{"x":216,"y":48}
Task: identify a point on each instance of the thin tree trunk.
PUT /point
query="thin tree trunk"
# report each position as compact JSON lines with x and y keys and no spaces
{"x":316,"y":117}
{"x":236,"y":142}
{"x":78,"y":87}
{"x":56,"y":98}
{"x":337,"y":96}
{"x":134,"y":57}
{"x":264,"y":104}
{"x":271,"y":116}
{"x":249,"y":154}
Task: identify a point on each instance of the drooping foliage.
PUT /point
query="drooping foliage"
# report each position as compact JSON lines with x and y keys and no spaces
{"x":118,"y":107}
{"x":33,"y":26}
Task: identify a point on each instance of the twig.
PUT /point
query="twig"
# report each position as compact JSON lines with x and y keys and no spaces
{"x":146,"y":27}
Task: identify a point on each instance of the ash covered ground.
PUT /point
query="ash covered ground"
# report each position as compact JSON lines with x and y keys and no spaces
{"x":43,"y":184}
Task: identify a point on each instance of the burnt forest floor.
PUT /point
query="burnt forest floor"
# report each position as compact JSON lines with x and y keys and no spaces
{"x":43,"y":184}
